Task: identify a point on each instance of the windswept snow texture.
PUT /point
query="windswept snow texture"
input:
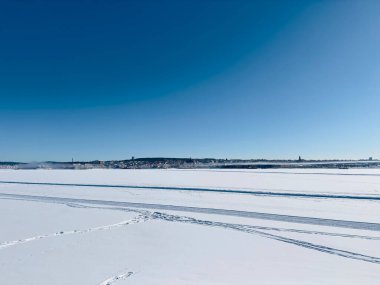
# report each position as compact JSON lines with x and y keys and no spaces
{"x":181,"y":227}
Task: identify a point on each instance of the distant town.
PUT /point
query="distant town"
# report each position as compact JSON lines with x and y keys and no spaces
{"x":193,"y":163}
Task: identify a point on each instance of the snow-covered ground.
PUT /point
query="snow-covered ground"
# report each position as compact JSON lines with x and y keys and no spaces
{"x":288,"y":226}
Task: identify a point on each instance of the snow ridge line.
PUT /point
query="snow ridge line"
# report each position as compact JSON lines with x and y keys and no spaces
{"x":262,"y":192}
{"x":129,"y":210}
{"x":138,"y":219}
{"x":223,"y":212}
{"x":117,"y":278}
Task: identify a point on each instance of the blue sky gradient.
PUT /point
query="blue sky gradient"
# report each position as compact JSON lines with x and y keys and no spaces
{"x":235,"y":79}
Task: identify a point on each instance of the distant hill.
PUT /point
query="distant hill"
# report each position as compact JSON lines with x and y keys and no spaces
{"x":191,"y":163}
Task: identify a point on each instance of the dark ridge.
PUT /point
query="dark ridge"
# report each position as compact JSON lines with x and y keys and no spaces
{"x":193,"y":163}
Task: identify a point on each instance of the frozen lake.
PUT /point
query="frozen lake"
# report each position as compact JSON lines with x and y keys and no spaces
{"x":288,"y":226}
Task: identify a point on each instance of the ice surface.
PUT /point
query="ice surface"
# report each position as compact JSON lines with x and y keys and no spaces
{"x":54,"y":234}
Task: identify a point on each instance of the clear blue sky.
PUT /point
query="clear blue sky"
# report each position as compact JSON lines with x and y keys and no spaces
{"x":236,"y":79}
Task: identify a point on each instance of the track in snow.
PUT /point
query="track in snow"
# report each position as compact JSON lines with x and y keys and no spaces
{"x":155,"y":215}
{"x":223,"y":212}
{"x":252,"y":230}
{"x":239,"y":227}
{"x":135,"y":220}
{"x":215,"y":190}
{"x":116,"y":278}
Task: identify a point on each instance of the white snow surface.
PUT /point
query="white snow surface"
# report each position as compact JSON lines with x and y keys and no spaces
{"x":327,"y":231}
